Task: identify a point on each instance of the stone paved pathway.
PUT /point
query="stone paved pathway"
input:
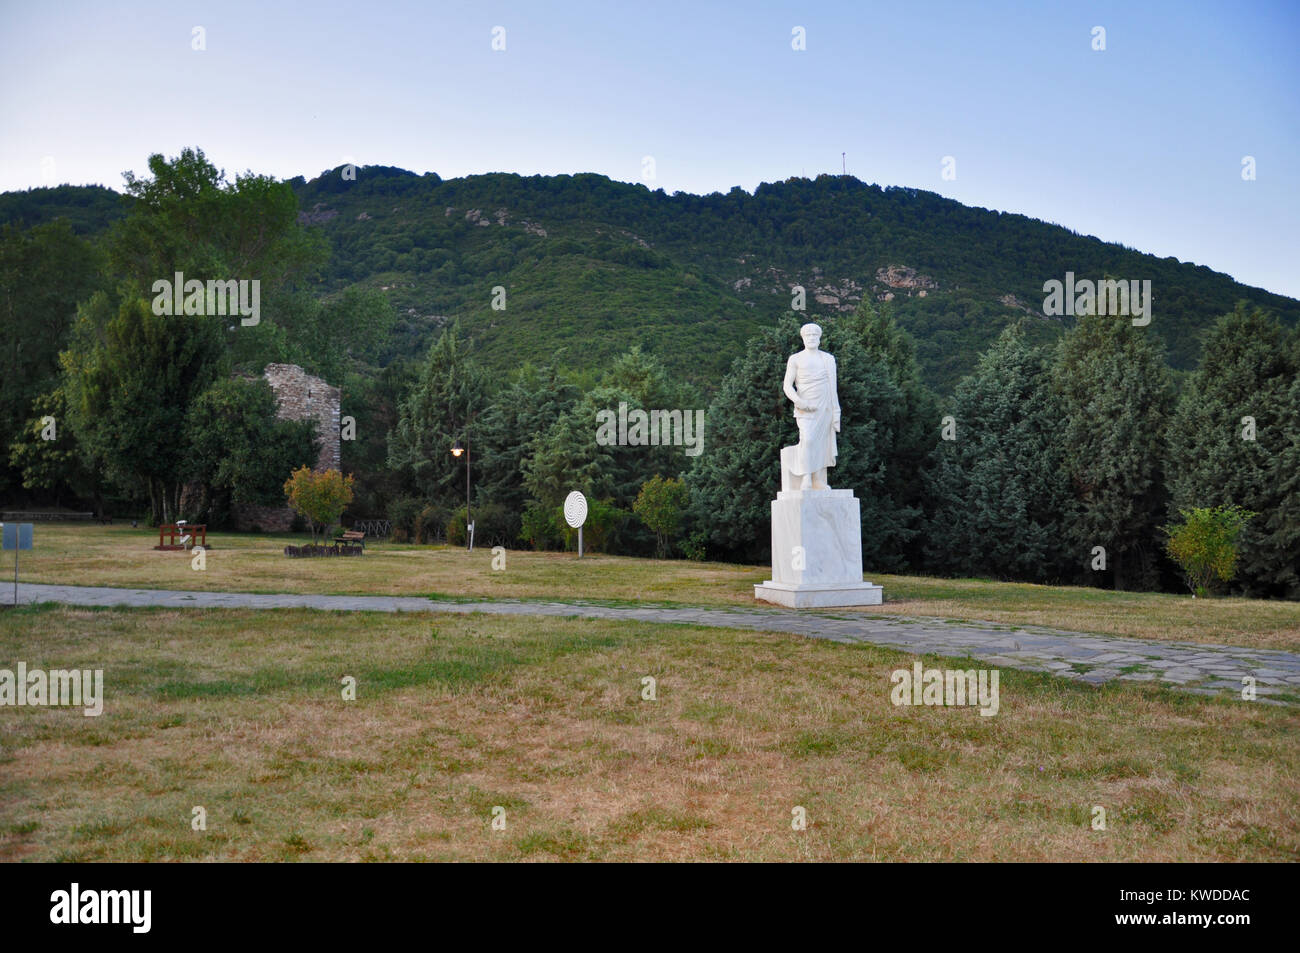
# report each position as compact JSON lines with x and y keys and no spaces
{"x":1208,"y":669}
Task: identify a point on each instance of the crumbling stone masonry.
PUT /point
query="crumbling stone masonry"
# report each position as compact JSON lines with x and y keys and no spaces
{"x":303,"y":397}
{"x":298,"y":396}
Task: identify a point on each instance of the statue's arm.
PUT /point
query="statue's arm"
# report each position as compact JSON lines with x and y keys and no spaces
{"x":835,"y":396}
{"x":788,"y":385}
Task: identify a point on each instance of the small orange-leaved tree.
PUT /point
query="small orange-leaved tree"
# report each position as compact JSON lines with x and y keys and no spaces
{"x":320,"y":497}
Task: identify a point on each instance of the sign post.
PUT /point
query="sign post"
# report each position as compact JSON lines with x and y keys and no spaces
{"x":575,"y":514}
{"x":15,"y":536}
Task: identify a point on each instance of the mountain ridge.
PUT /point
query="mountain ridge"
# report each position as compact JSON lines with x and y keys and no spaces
{"x":595,"y":265}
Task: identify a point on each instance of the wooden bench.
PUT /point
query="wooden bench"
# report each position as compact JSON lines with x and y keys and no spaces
{"x":353,"y":537}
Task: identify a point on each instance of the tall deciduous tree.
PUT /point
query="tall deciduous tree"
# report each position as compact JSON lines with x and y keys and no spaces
{"x":328,"y":338}
{"x":131,"y":376}
{"x":188,"y":217}
{"x":46,"y":453}
{"x":44,"y":272}
{"x":238,"y":451}
{"x":130,"y":379}
{"x":1116,"y":395}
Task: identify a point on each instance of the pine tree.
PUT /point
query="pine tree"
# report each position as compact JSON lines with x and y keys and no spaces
{"x":520,"y":414}
{"x":1116,"y":395}
{"x":566,"y":458}
{"x":916,"y":428}
{"x":1281,"y":525}
{"x":567,"y":455}
{"x":438,"y":412}
{"x":998,"y":488}
{"x":734,"y":481}
{"x":1231,"y":429}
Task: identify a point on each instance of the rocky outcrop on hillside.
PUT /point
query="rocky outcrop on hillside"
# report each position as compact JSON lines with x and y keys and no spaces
{"x":1011,"y":301}
{"x":318,"y":215}
{"x":903,"y":277}
{"x":502,"y":216}
{"x":843,"y":295}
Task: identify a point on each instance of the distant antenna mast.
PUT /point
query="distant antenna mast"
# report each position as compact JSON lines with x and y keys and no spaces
{"x":844,"y":166}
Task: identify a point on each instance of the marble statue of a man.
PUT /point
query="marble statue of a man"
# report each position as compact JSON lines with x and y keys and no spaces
{"x":810,"y":384}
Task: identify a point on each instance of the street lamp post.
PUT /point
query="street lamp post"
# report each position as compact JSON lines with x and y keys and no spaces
{"x":456,"y":451}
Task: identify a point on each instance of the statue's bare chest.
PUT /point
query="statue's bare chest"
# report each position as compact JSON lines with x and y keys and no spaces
{"x":811,"y":367}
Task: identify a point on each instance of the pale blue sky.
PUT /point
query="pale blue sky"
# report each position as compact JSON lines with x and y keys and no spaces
{"x":1140,"y":144}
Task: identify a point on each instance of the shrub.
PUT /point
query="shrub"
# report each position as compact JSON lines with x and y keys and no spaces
{"x":1205,"y":544}
{"x":320,"y":497}
{"x":661,"y":504}
{"x":494,"y":525}
{"x":602,"y":530}
{"x":542,"y":526}
{"x":431,"y":524}
{"x":402,"y":514}
{"x":695,"y":546}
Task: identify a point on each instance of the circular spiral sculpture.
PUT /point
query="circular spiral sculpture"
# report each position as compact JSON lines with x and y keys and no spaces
{"x":575,"y":509}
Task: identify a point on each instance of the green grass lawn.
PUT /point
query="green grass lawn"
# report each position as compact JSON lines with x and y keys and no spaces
{"x":119,"y":556}
{"x":241,"y":712}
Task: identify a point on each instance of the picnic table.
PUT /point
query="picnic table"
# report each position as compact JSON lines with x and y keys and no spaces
{"x":196,"y":535}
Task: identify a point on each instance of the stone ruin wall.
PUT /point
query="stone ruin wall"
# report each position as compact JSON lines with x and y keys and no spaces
{"x":298,"y":396}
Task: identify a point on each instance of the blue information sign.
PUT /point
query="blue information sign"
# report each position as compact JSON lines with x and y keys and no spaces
{"x":16,"y":535}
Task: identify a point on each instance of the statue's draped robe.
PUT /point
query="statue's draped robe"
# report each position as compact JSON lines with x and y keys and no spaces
{"x":814,"y":381}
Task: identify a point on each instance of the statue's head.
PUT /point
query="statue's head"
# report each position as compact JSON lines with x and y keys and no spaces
{"x":812,"y":336}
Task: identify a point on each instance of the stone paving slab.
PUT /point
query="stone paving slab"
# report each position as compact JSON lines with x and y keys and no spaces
{"x":1211,"y":669}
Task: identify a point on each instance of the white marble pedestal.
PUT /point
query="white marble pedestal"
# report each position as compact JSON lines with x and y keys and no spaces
{"x":817,"y":552}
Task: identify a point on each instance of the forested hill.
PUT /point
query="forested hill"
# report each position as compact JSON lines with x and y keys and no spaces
{"x":598,"y":265}
{"x":595,"y":266}
{"x":88,"y":209}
